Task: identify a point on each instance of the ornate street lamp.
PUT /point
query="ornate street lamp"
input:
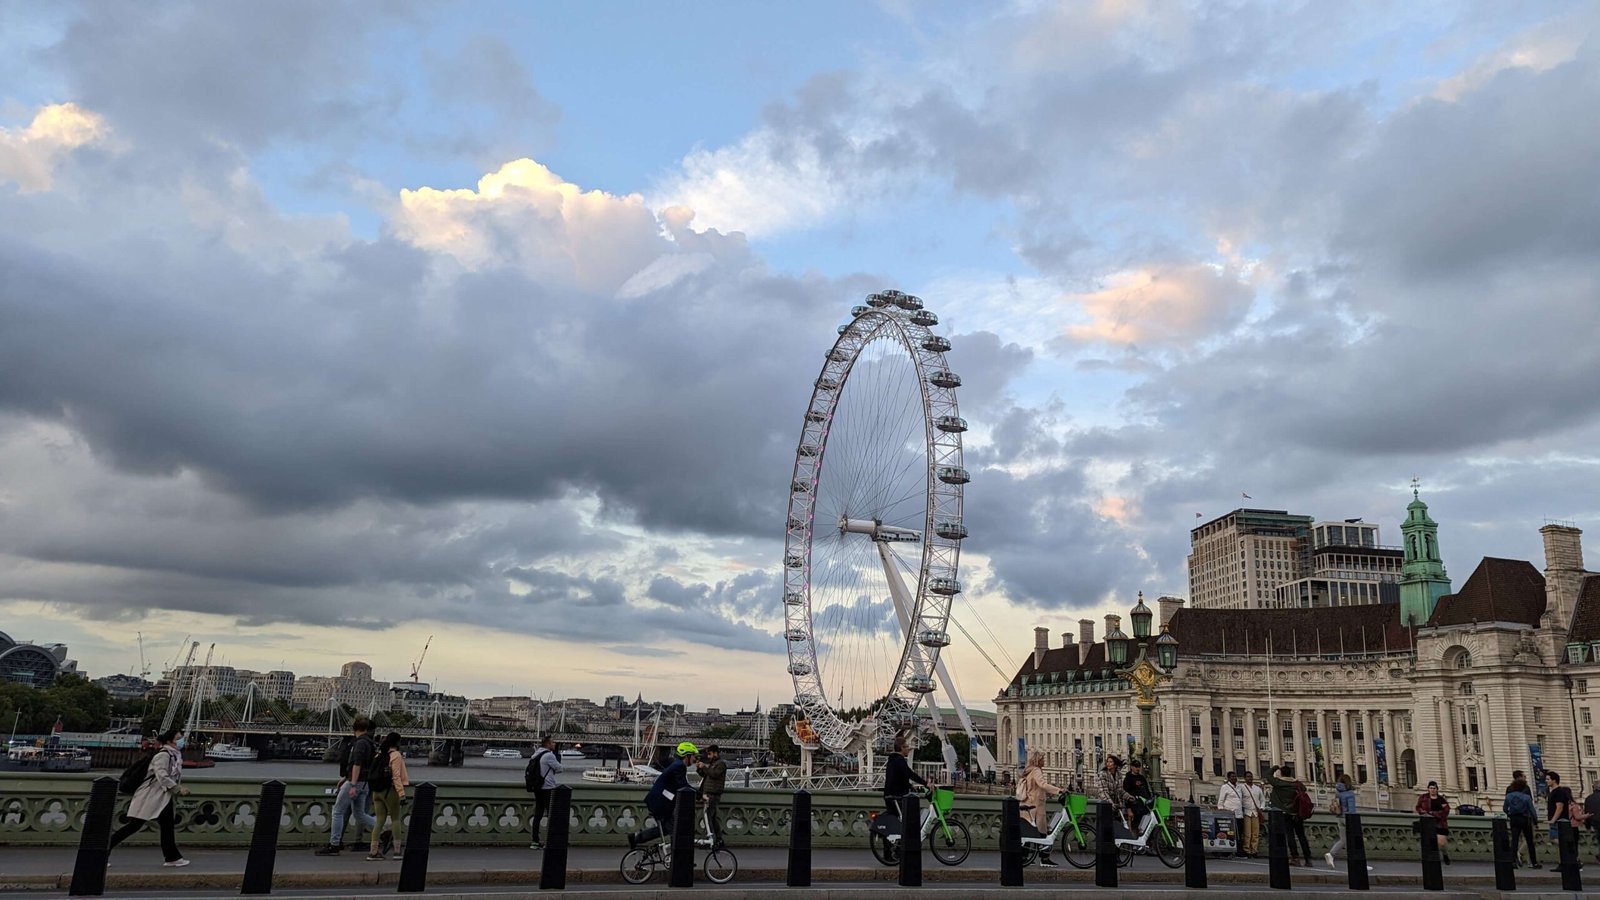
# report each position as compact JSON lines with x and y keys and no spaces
{"x":1167,"y":651}
{"x":1143,"y":676}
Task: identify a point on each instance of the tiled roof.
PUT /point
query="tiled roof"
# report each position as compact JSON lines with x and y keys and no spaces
{"x":1370,"y":628}
{"x":1305,"y":632}
{"x":1586,"y":614}
{"x":1499,"y":590}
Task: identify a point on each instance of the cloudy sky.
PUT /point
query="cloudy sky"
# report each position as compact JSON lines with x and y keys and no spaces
{"x":327,"y":327}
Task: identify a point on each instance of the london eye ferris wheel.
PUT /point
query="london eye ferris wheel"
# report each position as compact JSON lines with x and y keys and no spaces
{"x":874,"y":530}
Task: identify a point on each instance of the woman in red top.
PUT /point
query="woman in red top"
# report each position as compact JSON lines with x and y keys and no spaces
{"x":1434,"y":804}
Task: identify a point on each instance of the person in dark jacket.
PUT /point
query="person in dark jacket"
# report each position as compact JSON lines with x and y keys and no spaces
{"x":1432,"y":803}
{"x":1591,"y":809}
{"x":1520,"y":810}
{"x":1284,"y":794}
{"x":664,"y":792}
{"x":898,"y":775}
{"x":713,"y":778}
{"x":1137,"y":789}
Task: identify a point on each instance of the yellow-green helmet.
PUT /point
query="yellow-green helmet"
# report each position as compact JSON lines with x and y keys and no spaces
{"x":687,"y":747}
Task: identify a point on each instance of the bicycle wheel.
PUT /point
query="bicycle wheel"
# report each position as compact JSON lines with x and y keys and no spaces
{"x":1124,"y":857}
{"x":886,"y":851}
{"x":950,"y":844}
{"x":1168,"y":848}
{"x":1078,"y":848}
{"x":721,"y":865}
{"x":636,"y":867}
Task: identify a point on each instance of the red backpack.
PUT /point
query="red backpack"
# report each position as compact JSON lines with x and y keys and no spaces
{"x":1303,"y":807}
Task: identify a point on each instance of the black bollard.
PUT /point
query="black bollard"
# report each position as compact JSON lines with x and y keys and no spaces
{"x":1194,"y":848}
{"x":1567,"y":847}
{"x":1355,"y":852}
{"x":1505,"y":865}
{"x":1432,"y":867}
{"x":800,"y":840}
{"x":553,"y":862}
{"x":1105,"y":846}
{"x":89,"y":872}
{"x":264,"y":841}
{"x":1277,"y":851}
{"x":418,"y":834}
{"x":910,"y":841}
{"x":1010,"y":843}
{"x":681,"y":873}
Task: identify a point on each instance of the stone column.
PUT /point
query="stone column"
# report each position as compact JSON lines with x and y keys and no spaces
{"x":1450,"y":778}
{"x":1250,"y":753}
{"x":1490,"y":775}
{"x":1227,"y":739}
{"x":1325,"y":774}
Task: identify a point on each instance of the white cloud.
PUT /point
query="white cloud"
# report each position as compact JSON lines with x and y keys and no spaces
{"x":526,"y":217}
{"x":29,"y":156}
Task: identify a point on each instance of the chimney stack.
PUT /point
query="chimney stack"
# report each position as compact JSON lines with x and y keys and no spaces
{"x":1113,"y":625}
{"x":1085,"y":638}
{"x":1563,"y":572}
{"x":1168,"y":606}
{"x":1066,"y":639}
{"x":1041,"y":643}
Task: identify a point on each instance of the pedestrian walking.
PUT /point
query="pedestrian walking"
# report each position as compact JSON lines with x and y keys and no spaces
{"x":1033,"y":793}
{"x":1344,"y":803}
{"x":387,"y":780}
{"x":1519,"y":810}
{"x":1432,"y":803}
{"x":351,"y":795}
{"x":713,"y":780}
{"x":540,"y":778}
{"x":156,"y":799}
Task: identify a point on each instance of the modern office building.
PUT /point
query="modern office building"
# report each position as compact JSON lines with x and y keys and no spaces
{"x":1272,"y":559}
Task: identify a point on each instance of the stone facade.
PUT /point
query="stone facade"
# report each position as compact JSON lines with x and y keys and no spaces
{"x":1501,"y":666}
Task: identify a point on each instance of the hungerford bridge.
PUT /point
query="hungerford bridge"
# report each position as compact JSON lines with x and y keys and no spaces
{"x":447,"y":732}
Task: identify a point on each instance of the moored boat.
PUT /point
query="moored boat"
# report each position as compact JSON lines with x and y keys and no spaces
{"x":47,"y":759}
{"x":502,"y":753}
{"x":226,"y":752}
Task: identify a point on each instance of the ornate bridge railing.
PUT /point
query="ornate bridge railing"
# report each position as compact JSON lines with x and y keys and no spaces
{"x":44,"y":810}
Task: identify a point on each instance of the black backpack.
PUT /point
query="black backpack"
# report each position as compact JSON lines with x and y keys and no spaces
{"x":533,"y":778}
{"x":135,"y":774}
{"x":379,"y":776}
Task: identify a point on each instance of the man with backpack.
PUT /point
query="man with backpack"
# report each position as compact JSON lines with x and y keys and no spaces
{"x":352,"y":795}
{"x":540,"y":778}
{"x":1291,"y":799}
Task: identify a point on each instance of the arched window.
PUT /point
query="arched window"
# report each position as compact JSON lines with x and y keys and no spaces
{"x":1412,"y":541}
{"x":1457,"y":658}
{"x":1428,"y":542}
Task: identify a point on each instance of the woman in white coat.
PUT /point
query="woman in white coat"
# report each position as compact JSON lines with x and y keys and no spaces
{"x":155,"y":798}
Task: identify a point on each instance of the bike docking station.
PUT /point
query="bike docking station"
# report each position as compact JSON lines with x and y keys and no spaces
{"x":1194,"y":850}
{"x":553,"y":861}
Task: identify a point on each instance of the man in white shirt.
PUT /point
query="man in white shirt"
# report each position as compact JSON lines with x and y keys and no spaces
{"x":1253,"y":806}
{"x":1231,"y":800}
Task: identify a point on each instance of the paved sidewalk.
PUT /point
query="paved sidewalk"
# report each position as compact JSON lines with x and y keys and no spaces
{"x":139,"y":868}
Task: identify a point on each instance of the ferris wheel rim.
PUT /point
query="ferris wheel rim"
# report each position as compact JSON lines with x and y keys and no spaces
{"x":900,"y":319}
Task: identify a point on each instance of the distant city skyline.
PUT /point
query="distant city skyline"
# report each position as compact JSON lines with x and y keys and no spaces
{"x":328,"y":327}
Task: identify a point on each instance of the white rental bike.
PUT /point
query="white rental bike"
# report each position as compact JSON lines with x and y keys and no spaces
{"x":1154,"y":838}
{"x":1077,"y":839}
{"x":945,"y":836}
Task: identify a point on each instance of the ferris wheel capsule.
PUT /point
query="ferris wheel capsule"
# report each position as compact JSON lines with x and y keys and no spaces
{"x":908,"y":302}
{"x":944,"y":378}
{"x":936,"y":344}
{"x":925,"y":318}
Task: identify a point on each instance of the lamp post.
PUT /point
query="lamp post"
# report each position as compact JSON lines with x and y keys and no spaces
{"x":1143,"y":677}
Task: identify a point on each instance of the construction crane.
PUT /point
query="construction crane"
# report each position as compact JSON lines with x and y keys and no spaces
{"x":176,"y":688}
{"x":416,"y":667}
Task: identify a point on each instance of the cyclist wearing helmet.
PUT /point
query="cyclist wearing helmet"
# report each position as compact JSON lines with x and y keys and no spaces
{"x":674,"y":778}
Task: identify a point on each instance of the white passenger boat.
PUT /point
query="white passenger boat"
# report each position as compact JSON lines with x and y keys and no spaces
{"x":570,"y":754}
{"x":601,"y":775}
{"x":502,"y":753}
{"x":231,"y":753}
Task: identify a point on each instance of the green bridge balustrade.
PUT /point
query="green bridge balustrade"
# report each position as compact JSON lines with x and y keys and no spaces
{"x":46,"y":810}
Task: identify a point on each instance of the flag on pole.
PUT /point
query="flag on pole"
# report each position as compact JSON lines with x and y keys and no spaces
{"x":58,"y":727}
{"x":1198,"y":516}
